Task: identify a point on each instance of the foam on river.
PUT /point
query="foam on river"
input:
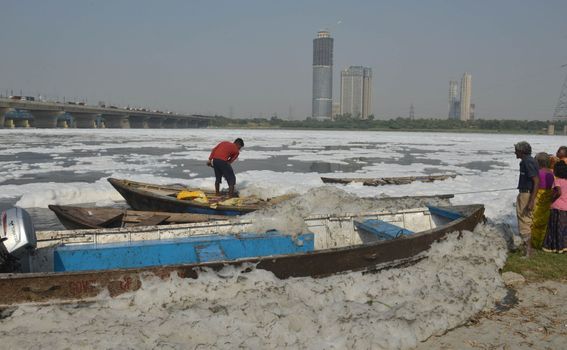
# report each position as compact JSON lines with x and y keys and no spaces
{"x":391,"y":309}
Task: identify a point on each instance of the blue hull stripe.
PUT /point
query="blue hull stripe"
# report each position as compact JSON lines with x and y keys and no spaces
{"x":189,"y":250}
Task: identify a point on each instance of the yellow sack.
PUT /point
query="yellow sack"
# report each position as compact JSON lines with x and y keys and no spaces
{"x":197,"y":196}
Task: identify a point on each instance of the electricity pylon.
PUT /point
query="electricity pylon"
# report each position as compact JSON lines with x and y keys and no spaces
{"x":561,"y":109}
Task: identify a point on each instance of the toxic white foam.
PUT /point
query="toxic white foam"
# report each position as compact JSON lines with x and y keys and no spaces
{"x":327,"y":200}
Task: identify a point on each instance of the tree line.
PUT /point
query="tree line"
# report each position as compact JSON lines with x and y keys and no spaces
{"x":399,"y":124}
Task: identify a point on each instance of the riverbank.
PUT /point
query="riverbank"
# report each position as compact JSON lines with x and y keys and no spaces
{"x":536,"y":318}
{"x":537,"y":321}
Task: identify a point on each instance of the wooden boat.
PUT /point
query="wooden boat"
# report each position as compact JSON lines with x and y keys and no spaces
{"x":336,"y":246}
{"x":73,"y":217}
{"x":381,"y":181}
{"x":149,"y":197}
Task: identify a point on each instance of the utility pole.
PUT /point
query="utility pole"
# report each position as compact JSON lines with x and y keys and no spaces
{"x":561,"y":108}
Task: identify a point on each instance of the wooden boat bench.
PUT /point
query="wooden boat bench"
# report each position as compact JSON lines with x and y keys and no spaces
{"x":379,"y":230}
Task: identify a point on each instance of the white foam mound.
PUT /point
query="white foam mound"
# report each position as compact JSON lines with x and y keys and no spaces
{"x":40,"y":195}
{"x":327,"y":200}
{"x":392,"y":309}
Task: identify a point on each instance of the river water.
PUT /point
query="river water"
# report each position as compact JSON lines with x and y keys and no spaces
{"x":392,"y":309}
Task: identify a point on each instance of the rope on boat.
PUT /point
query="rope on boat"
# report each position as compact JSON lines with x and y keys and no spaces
{"x":498,"y":190}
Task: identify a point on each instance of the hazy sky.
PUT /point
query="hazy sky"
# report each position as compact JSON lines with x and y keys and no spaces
{"x":256,"y":56}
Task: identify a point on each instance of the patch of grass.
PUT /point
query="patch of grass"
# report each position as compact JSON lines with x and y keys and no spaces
{"x":540,"y":266}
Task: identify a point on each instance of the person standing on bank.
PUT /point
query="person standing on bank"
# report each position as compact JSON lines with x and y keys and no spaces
{"x":528,"y":185}
{"x":221,"y":158}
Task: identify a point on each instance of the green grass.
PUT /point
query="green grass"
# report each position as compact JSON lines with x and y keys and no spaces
{"x":541,"y":266}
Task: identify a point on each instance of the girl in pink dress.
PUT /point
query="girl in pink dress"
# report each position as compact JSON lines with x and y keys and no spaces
{"x":556,"y":235}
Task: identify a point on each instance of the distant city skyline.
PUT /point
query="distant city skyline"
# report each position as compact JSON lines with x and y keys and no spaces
{"x":465,"y":97}
{"x":322,"y":76}
{"x":356,"y":92}
{"x":255,"y":56}
{"x":460,"y":99}
{"x":454,"y":99}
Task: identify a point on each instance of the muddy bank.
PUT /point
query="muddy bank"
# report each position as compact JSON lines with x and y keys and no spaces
{"x":537,"y":321}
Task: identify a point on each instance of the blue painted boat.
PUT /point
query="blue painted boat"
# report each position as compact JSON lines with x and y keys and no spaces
{"x":150,"y":197}
{"x":80,"y":264}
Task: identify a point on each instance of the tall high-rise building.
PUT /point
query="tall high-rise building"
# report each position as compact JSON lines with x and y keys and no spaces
{"x":336,"y":110}
{"x":356,"y":91}
{"x":453,"y":99}
{"x":466,"y":91}
{"x":322,"y":76}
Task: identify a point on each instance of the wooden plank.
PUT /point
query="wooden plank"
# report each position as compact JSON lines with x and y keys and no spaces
{"x":114,"y":221}
{"x":381,"y":181}
{"x":153,"y":220}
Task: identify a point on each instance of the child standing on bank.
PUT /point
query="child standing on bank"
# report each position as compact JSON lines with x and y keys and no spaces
{"x":556,"y":236}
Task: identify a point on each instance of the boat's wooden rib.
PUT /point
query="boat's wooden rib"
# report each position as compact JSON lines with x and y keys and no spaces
{"x":381,"y":181}
{"x":64,"y":286}
{"x":149,"y":197}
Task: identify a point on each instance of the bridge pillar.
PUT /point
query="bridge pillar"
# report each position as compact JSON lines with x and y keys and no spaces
{"x":155,"y":122}
{"x":45,"y":119}
{"x":170,"y":123}
{"x":139,"y":121}
{"x":84,"y":120}
{"x":3,"y":111}
{"x":116,"y":121}
{"x":182,"y":124}
{"x":9,"y":123}
{"x":21,"y":123}
{"x":194,"y":123}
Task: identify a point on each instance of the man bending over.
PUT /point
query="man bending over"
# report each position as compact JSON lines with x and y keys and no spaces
{"x":221,"y":159}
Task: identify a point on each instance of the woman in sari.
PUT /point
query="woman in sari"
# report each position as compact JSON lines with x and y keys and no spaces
{"x":543,"y":200}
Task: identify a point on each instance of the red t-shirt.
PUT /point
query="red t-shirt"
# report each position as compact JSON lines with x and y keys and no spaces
{"x":227,"y":151}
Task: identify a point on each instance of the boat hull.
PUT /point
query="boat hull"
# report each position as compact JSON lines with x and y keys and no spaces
{"x":76,"y":218}
{"x":141,"y":196}
{"x":66,"y":286}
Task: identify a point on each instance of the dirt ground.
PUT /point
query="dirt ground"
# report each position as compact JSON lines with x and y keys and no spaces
{"x":536,"y":320}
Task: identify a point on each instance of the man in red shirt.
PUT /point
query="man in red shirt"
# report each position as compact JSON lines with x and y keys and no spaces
{"x":220,"y":159}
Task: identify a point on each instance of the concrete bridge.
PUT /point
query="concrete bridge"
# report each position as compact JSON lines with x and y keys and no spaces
{"x":49,"y":115}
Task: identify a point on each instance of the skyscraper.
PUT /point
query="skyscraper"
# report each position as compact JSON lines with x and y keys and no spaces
{"x":356,"y":91}
{"x":453,"y":99}
{"x":466,"y":92}
{"x":322,"y":76}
